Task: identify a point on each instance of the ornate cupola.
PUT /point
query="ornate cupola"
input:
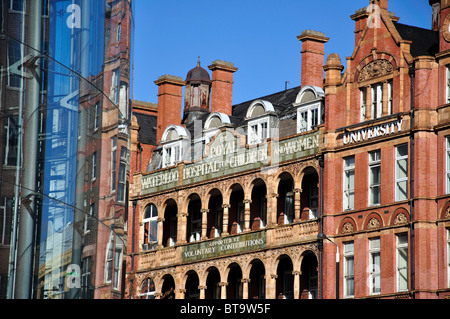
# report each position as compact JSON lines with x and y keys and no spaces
{"x":197,"y":93}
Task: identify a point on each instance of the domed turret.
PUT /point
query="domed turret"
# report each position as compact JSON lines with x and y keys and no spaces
{"x":197,"y":93}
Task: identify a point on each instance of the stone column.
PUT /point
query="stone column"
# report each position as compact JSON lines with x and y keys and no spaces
{"x":247,"y":203}
{"x":368,"y":103}
{"x":205,"y":212}
{"x":160,"y":231}
{"x":225,"y":207}
{"x":271,"y":286}
{"x":182,"y":228}
{"x":272,"y":209}
{"x":180,"y":293}
{"x":202,"y":291}
{"x":245,"y":282}
{"x":223,"y":290}
{"x":384,"y":111}
{"x":296,"y":284}
{"x":297,"y":212}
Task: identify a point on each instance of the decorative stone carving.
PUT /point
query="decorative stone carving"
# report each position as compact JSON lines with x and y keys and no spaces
{"x":400,"y":219}
{"x":447,"y":213}
{"x":347,"y":228}
{"x":374,"y":69}
{"x":373,"y":223}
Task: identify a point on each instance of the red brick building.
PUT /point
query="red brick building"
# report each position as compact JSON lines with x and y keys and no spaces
{"x":362,"y":181}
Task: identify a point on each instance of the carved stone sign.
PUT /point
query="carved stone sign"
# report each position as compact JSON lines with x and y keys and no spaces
{"x":224,"y":246}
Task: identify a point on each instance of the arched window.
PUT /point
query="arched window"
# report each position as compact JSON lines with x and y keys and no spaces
{"x":150,"y":228}
{"x":148,"y":289}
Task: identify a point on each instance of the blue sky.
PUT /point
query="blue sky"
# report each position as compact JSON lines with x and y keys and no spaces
{"x":258,"y":36}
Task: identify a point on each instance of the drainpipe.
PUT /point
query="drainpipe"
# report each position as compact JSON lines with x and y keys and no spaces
{"x":27,"y":213}
{"x":320,"y":243}
{"x":412,"y":73}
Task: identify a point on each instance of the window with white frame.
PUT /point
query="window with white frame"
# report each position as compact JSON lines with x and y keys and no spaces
{"x":447,"y":164}
{"x":6,"y":213}
{"x":308,"y":117}
{"x":87,"y":289}
{"x":150,"y":223}
{"x":14,"y":58}
{"x":258,"y":131}
{"x":96,"y":116}
{"x":448,"y":258}
{"x":10,"y":140}
{"x":88,"y":218}
{"x":171,"y":154}
{"x":374,"y":266}
{"x":113,"y":260}
{"x":349,"y":183}
{"x":148,"y":289}
{"x":377,"y":101}
{"x":349,"y":270}
{"x":115,"y":86}
{"x":122,"y":180}
{"x":402,"y":262}
{"x":113,"y":162}
{"x":390,"y":96}
{"x":448,"y":84}
{"x":401,"y":172}
{"x":374,"y":177}
{"x":363,"y":104}
{"x":94,"y":166}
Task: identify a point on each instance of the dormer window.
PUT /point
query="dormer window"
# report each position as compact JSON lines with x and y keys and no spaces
{"x":213,"y":124}
{"x":175,"y":143}
{"x":310,"y":108}
{"x":259,"y":117}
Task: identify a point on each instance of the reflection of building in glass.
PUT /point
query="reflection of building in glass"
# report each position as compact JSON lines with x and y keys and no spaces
{"x":338,"y":188}
{"x":65,"y":112}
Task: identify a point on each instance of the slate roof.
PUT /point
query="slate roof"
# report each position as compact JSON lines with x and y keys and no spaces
{"x":424,"y":41}
{"x":147,"y":123}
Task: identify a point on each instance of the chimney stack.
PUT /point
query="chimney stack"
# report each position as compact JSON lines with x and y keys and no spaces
{"x":222,"y":86}
{"x":169,"y":102}
{"x":313,"y":52}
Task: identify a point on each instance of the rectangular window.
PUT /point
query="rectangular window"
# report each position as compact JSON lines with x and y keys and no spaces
{"x":377,"y":101}
{"x":402,"y":262}
{"x":401,"y":172}
{"x":363,"y":104}
{"x":349,"y":270}
{"x":94,"y":166}
{"x":88,"y":218}
{"x":258,"y":131}
{"x":10,"y":140}
{"x":447,"y":164}
{"x":390,"y":97}
{"x":115,"y":83}
{"x":448,"y":258}
{"x":374,"y":266}
{"x":122,"y":181}
{"x":113,"y":163}
{"x":374,"y":177}
{"x":16,"y":5}
{"x":308,"y":118}
{"x":6,"y":214}
{"x":349,"y":183}
{"x":448,"y":84}
{"x":171,"y":154}
{"x":14,"y":58}
{"x":87,"y":290}
{"x":97,"y":116}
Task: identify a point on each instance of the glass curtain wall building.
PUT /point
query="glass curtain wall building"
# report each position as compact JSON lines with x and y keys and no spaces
{"x":65,"y":110}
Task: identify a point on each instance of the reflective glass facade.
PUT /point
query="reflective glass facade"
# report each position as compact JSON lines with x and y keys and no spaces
{"x":65,"y":111}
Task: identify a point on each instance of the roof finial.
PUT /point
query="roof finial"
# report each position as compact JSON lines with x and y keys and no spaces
{"x":198,"y":62}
